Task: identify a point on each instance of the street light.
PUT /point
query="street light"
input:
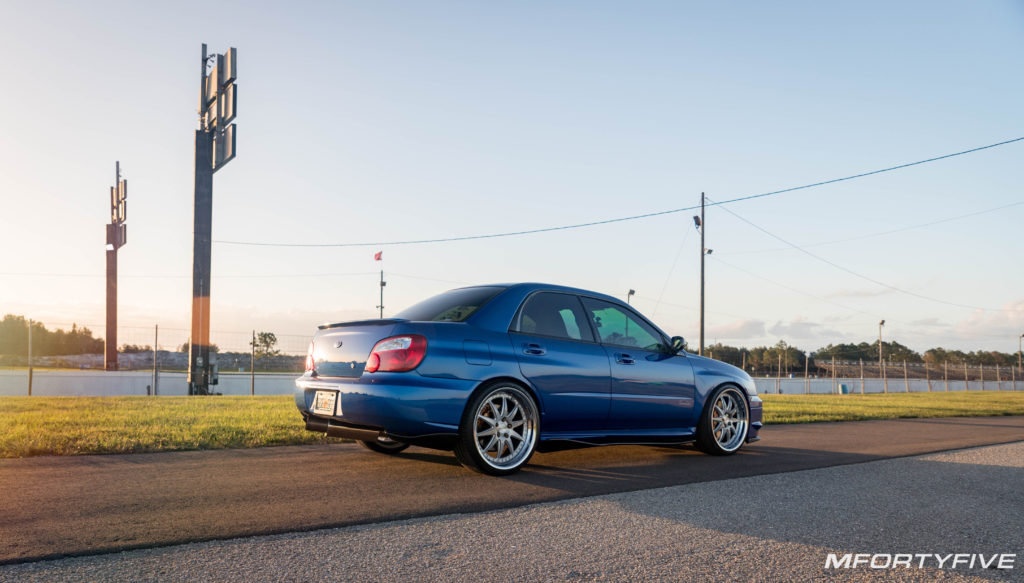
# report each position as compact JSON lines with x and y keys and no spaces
{"x":1019,"y":350}
{"x":631,"y":293}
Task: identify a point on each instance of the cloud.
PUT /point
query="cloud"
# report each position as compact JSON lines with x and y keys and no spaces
{"x":803,"y":329}
{"x":737,"y":330}
{"x":1006,"y":323}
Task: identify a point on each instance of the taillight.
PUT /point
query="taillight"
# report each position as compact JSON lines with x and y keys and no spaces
{"x":397,"y":354}
{"x":310,"y":363}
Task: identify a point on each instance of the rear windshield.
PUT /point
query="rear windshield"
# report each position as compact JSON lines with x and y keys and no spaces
{"x":451,"y":306}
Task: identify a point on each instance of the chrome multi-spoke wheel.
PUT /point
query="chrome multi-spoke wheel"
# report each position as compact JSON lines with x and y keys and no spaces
{"x":384,"y":445}
{"x":500,"y":430}
{"x":724,"y":424}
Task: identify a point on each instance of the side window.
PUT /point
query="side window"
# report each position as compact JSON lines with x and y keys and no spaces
{"x":554,"y":314}
{"x":618,"y":327}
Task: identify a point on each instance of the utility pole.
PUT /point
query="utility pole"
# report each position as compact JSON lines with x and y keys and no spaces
{"x":252,"y":366}
{"x":1019,"y":352}
{"x":700,"y":224}
{"x":116,"y":237}
{"x":214,"y":147}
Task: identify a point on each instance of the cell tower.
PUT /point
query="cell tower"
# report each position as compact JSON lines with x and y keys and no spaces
{"x":215,"y":147}
{"x":117,"y":236}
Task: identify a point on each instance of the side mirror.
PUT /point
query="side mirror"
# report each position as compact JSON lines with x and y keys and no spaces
{"x":678,"y":344}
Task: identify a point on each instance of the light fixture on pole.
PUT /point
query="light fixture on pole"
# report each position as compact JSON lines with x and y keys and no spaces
{"x":880,"y":324}
{"x":631,"y":293}
{"x":1019,"y":339}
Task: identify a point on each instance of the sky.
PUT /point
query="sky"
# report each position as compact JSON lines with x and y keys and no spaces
{"x":379,"y":122}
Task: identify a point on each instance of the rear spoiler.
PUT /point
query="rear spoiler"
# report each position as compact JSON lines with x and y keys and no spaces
{"x":379,"y":322}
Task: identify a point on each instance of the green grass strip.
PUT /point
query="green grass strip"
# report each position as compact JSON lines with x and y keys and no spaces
{"x":816,"y":408}
{"x":90,"y":425}
{"x":101,"y":425}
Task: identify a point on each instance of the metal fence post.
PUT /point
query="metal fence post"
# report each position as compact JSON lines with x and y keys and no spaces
{"x":252,"y":368}
{"x":862,"y":376}
{"x":885,"y":379}
{"x":807,"y":365}
{"x":30,"y":358}
{"x":928,"y":376}
{"x":967,"y":384}
{"x":999,"y":382}
{"x":983,"y":376}
{"x":156,"y":339}
{"x":834,"y":374}
{"x":906,"y":379}
{"x":778,"y":380}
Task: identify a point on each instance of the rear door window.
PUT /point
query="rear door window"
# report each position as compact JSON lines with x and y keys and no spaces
{"x":556,"y":315}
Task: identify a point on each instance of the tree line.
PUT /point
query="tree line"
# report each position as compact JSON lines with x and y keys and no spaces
{"x":14,"y":341}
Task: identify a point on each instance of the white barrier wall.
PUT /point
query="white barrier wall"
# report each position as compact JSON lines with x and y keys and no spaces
{"x":101,"y":383}
{"x":787,"y":386}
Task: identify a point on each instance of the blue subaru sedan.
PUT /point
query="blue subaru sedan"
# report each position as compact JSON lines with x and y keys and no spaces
{"x":497,"y":372}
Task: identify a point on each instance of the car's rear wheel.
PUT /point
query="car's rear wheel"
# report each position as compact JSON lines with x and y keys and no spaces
{"x":724,"y":422}
{"x":384,"y":445}
{"x":499,"y":430}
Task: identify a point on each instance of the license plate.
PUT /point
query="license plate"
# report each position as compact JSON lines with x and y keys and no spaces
{"x":324,"y":401}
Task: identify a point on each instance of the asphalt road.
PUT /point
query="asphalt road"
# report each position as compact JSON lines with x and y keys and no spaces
{"x":774,"y":527}
{"x":59,"y":506}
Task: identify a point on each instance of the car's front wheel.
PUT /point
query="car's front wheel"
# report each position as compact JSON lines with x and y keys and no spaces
{"x":384,"y":445}
{"x":499,"y":430}
{"x":724,"y":423}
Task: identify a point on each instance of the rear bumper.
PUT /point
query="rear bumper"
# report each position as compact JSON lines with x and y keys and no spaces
{"x":405,"y":405}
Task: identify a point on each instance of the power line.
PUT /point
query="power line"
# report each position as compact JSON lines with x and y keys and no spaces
{"x":889,"y":232}
{"x":792,"y":289}
{"x":668,"y":277}
{"x":621,"y":219}
{"x":854,"y":273}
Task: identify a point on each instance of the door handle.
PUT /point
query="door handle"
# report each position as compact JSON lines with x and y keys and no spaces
{"x":622,"y":358}
{"x":533,"y":348}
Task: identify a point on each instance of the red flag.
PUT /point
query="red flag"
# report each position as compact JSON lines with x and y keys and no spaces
{"x":378,"y":256}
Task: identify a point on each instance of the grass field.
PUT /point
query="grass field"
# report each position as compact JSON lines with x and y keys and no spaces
{"x":814,"y":408}
{"x":92,"y":425}
{"x":84,"y":425}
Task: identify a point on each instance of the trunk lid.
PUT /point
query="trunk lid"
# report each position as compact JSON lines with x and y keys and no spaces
{"x":340,"y":350}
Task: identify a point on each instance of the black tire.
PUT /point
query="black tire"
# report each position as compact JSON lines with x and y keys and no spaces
{"x":384,"y":445}
{"x":725,"y":421}
{"x":499,"y":430}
